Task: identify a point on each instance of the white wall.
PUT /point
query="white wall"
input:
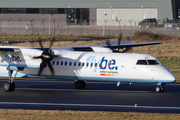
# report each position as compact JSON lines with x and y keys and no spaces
{"x":136,"y":15}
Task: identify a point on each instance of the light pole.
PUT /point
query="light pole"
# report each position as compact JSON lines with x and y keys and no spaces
{"x":50,"y":22}
{"x":143,"y":11}
{"x":111,"y":15}
{"x":104,"y":23}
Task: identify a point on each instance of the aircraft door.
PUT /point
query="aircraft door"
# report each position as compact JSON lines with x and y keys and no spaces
{"x":122,"y":69}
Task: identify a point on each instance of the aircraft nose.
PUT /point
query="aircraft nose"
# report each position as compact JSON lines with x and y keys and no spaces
{"x":167,"y":75}
{"x":170,"y":77}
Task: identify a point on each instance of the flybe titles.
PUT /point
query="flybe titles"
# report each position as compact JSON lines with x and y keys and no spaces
{"x":104,"y":63}
{"x":12,"y":58}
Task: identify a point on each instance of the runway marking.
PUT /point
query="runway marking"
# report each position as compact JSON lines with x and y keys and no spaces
{"x":88,"y":105}
{"x":78,"y":90}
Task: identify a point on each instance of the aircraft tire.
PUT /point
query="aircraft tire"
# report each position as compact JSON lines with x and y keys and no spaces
{"x":159,"y":89}
{"x":12,"y":87}
{"x":80,"y":84}
{"x":9,"y":86}
{"x":6,"y":86}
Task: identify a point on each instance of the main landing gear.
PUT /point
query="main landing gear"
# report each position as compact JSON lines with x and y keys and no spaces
{"x":10,"y":86}
{"x":80,"y":84}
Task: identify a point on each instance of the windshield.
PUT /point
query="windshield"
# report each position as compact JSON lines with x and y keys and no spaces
{"x":153,"y":62}
{"x":147,"y":62}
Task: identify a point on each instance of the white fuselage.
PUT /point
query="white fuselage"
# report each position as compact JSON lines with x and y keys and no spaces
{"x":123,"y":67}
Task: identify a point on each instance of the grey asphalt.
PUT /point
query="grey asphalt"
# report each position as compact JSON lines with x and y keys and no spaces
{"x":98,"y":96}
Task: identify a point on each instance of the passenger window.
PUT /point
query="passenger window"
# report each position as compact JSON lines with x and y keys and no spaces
{"x":87,"y":64}
{"x":74,"y":63}
{"x":95,"y":64}
{"x":82,"y":64}
{"x":57,"y":62}
{"x":91,"y":64}
{"x":79,"y":63}
{"x":61,"y":63}
{"x":53,"y":62}
{"x":99,"y":64}
{"x":70,"y":64}
{"x":142,"y":62}
{"x":65,"y":63}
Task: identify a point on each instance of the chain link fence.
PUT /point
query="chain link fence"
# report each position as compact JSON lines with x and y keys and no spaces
{"x":127,"y":27}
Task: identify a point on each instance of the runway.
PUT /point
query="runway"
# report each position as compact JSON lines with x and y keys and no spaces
{"x":98,"y":96}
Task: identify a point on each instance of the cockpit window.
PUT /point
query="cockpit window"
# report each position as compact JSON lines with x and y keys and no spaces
{"x":153,"y":62}
{"x":147,"y":62}
{"x":142,"y":62}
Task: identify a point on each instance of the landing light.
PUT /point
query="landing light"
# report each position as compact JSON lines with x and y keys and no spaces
{"x":16,"y":50}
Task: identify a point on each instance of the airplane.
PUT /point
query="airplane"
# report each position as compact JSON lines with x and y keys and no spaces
{"x":83,"y":63}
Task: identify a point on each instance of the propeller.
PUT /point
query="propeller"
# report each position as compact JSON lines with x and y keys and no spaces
{"x":119,"y":42}
{"x":46,"y":57}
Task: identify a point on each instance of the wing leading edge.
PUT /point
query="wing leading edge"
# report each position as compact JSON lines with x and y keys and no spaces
{"x":128,"y":44}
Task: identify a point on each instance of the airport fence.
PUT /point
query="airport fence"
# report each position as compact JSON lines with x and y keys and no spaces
{"x":127,"y":27}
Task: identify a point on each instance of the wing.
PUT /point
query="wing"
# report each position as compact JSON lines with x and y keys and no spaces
{"x":114,"y":45}
{"x":129,"y":44}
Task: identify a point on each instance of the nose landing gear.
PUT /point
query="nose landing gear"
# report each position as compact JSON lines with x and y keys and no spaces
{"x":159,"y":89}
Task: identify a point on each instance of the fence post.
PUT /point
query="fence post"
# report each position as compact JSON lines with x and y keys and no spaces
{"x":81,"y":21}
{"x":54,"y":20}
{"x":8,"y":25}
{"x":43,"y":24}
{"x":67,"y":25}
{"x":105,"y":21}
{"x":19,"y":25}
{"x":131,"y":25}
{"x":119,"y":25}
{"x":31,"y":20}
{"x":158,"y":26}
{"x":93,"y":24}
{"x":0,"y":26}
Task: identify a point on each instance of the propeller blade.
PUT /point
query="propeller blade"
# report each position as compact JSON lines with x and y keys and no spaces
{"x":109,"y":46}
{"x":37,"y":57}
{"x":42,"y":66}
{"x":50,"y":67}
{"x":119,"y":41}
{"x":50,"y":45}
{"x":40,"y":71}
{"x":40,"y":43}
{"x":46,"y":57}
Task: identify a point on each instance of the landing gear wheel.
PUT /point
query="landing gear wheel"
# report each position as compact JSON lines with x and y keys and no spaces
{"x":9,"y":86}
{"x":12,"y":87}
{"x":80,"y":84}
{"x":159,"y":89}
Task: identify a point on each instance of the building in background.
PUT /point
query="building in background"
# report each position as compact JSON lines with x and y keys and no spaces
{"x":88,"y":12}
